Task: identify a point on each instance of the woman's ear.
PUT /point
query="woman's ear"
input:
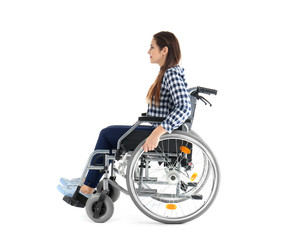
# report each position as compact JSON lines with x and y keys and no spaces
{"x":165,"y":50}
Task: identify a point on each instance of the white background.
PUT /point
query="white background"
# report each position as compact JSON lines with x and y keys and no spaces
{"x":70,"y":68}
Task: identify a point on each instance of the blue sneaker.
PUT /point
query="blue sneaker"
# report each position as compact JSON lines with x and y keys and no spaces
{"x":67,"y":190}
{"x":73,"y":181}
{"x":70,"y":190}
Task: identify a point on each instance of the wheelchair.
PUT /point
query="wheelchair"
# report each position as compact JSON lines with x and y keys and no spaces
{"x":175,"y":183}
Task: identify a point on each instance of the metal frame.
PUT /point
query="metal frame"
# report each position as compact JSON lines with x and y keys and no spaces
{"x":186,"y":127}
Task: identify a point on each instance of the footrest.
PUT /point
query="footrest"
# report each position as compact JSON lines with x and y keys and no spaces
{"x":79,"y":201}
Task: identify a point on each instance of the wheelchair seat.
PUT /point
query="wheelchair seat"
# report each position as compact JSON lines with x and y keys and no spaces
{"x":131,"y":141}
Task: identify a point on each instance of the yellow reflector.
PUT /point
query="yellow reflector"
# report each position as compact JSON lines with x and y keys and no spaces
{"x":193,"y":177}
{"x":185,"y":150}
{"x":171,"y":206}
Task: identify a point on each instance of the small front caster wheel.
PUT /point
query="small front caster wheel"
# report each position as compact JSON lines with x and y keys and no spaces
{"x":99,"y":211}
{"x":113,"y":192}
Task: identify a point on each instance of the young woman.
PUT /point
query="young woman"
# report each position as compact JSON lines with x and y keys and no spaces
{"x":167,"y":97}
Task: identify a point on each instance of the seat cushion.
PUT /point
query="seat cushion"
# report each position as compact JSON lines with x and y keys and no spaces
{"x":130,"y":142}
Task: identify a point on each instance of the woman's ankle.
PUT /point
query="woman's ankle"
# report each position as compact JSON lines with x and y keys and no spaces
{"x":87,"y":190}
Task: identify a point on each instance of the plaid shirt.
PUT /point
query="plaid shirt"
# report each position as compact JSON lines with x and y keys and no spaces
{"x":175,"y":103}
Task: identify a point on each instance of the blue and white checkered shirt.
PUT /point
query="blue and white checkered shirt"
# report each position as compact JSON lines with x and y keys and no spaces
{"x":175,"y":103}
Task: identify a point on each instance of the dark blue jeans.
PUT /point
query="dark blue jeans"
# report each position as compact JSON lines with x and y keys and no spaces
{"x":107,"y":140}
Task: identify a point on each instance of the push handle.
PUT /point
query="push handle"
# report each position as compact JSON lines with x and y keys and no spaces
{"x":206,"y":90}
{"x":196,"y":90}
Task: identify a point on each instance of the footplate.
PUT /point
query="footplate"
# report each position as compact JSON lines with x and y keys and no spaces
{"x":77,"y":200}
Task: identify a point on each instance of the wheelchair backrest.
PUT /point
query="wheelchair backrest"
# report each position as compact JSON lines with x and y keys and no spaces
{"x":193,"y":101}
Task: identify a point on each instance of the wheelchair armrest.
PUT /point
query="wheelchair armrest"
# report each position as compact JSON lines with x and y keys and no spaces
{"x":151,"y":119}
{"x":144,"y":118}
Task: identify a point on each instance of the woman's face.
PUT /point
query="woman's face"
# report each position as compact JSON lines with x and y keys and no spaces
{"x":156,"y":55}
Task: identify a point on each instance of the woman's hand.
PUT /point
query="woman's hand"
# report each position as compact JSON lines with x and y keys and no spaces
{"x":151,"y":143}
{"x":153,"y":139}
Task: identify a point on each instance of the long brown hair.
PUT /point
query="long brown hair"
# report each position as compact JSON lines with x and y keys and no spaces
{"x":169,"y":40}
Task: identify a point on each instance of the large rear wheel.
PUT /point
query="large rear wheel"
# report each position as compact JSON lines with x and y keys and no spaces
{"x":176,"y":182}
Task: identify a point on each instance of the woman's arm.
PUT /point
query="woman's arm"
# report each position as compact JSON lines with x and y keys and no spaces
{"x":181,"y":100}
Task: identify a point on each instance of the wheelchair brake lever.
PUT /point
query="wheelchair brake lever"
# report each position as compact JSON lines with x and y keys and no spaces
{"x":204,"y":100}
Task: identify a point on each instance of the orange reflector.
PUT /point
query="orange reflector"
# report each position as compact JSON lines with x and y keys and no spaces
{"x":185,"y":150}
{"x":193,"y":177}
{"x":171,"y":206}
